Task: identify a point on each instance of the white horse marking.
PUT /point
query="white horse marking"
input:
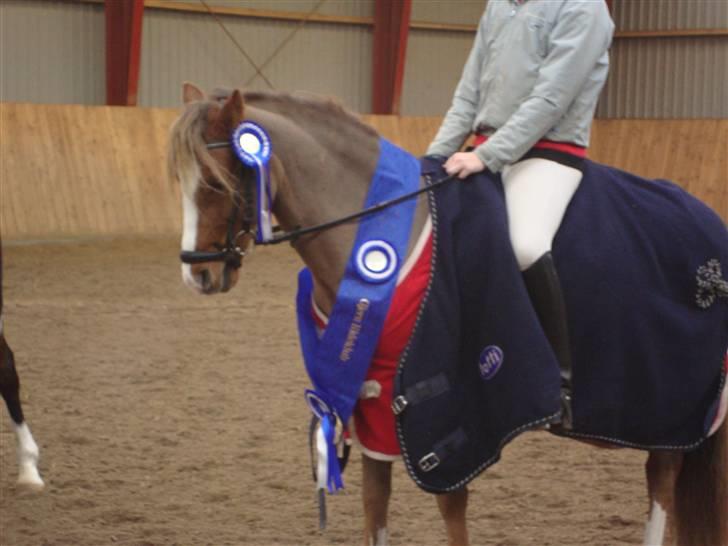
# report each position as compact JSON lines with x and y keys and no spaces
{"x":190,"y":217}
{"x":381,"y":539}
{"x":655,"y":529}
{"x":28,"y":455}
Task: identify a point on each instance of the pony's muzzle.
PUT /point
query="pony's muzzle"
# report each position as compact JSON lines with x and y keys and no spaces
{"x":209,"y":278}
{"x":198,"y":278}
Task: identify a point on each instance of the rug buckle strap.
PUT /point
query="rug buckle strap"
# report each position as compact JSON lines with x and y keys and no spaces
{"x":429,"y":462}
{"x":443,"y":449}
{"x":421,"y":392}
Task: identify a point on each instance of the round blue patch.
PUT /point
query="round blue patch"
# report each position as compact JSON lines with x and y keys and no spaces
{"x":490,"y":361}
{"x":251,"y":144}
{"x":376,"y":261}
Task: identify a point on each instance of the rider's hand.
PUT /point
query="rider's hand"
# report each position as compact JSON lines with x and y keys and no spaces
{"x":463,"y":164}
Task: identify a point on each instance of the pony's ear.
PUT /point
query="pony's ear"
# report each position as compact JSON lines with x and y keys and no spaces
{"x":191,"y":93}
{"x":232,"y":111}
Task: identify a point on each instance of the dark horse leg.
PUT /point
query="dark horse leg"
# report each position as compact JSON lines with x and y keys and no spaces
{"x":10,"y":390}
{"x":453,"y":507}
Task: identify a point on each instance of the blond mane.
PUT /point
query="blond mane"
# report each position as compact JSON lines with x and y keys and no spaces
{"x":301,"y":105}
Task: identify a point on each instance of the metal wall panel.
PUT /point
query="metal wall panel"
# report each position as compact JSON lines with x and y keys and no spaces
{"x":435,"y":61}
{"x":462,"y":12}
{"x":326,"y":59}
{"x":657,"y":78}
{"x":52,"y":52}
{"x":667,"y":78}
{"x":670,"y":14}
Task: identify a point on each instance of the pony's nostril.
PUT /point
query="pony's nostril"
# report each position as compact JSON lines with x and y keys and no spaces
{"x":205,"y":278}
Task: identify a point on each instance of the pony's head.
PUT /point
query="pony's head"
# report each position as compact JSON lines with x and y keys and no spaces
{"x":215,"y":212}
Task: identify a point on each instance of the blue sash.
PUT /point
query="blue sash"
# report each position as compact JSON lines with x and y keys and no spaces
{"x":338,"y":362}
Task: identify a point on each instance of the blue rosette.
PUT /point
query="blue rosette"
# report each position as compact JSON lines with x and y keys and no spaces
{"x":253,"y":147}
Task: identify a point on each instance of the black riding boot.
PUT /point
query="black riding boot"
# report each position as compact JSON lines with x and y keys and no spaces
{"x":544,"y":288}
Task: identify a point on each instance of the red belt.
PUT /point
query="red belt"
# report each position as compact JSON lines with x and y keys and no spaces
{"x":566,"y":147}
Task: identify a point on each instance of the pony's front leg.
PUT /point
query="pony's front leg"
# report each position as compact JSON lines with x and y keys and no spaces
{"x":376,"y":490}
{"x":453,"y":507}
{"x":28,"y":475}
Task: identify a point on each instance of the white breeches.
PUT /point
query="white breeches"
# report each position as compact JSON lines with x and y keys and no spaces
{"x":537,"y":194}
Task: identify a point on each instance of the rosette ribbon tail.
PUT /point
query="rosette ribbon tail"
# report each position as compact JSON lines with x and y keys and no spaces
{"x":327,"y":471}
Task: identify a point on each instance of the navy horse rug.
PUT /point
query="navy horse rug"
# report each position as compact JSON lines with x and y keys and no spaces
{"x":641,"y":266}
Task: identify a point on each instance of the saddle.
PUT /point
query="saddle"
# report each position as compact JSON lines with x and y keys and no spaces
{"x":640,"y":263}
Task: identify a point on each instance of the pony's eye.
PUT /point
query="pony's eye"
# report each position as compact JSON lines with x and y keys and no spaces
{"x":216,"y":185}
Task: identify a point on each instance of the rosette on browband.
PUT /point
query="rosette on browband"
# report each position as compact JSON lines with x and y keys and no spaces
{"x":253,"y":147}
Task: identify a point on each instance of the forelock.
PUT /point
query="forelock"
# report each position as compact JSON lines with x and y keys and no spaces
{"x":188,"y":153}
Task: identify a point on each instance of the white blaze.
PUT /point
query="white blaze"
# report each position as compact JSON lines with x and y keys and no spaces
{"x":190,"y":217}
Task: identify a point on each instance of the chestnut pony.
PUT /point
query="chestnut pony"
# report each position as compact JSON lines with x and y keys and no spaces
{"x":322,"y":164}
{"x":28,"y":475}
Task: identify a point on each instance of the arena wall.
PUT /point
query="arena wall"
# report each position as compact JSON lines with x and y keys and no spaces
{"x":664,"y":55}
{"x":75,"y":171}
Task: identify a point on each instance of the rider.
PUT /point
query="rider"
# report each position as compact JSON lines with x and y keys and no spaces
{"x":528,"y":91}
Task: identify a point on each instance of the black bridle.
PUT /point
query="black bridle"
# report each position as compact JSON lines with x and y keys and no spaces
{"x":232,"y":253}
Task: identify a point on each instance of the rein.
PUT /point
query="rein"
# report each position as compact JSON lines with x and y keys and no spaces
{"x":232,"y":254}
{"x":296,"y":233}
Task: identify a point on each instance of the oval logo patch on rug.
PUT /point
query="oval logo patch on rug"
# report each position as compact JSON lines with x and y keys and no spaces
{"x":490,"y":361}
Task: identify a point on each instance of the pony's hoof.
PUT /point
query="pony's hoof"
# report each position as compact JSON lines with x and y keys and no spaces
{"x":31,"y":481}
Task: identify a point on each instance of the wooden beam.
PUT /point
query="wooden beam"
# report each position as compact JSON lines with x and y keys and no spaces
{"x":295,"y":16}
{"x":445,"y":27}
{"x":679,"y":33}
{"x":389,"y":42}
{"x":123,"y":50}
{"x":620,"y":34}
{"x":259,"y":13}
